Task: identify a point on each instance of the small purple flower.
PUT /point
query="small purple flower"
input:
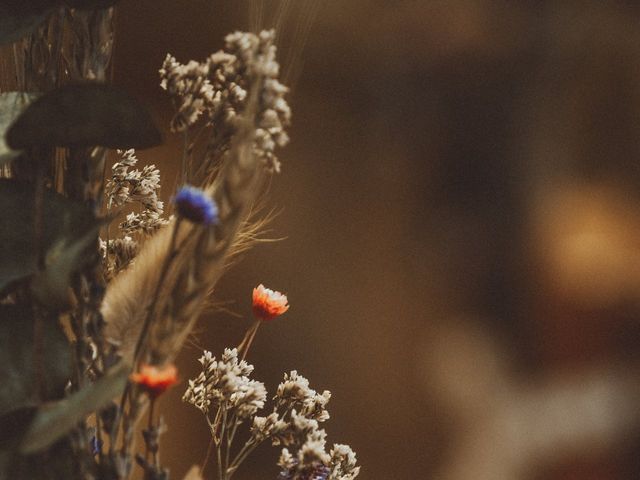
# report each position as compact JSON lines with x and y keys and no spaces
{"x":196,"y":206}
{"x":319,"y":472}
{"x":95,"y":445}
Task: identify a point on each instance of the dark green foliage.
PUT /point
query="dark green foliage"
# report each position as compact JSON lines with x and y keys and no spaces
{"x":60,"y":461}
{"x":31,"y":375}
{"x":51,"y":285}
{"x":64,"y":222}
{"x":84,"y":115}
{"x":20,"y":17}
{"x":54,"y":421}
{"x":12,"y":104}
{"x":34,"y":441}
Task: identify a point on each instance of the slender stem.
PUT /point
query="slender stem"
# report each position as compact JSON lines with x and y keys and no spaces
{"x":242,"y":455}
{"x":220,"y":470}
{"x":253,"y":330}
{"x":149,"y":427}
{"x":230,"y":434}
{"x":206,"y":457}
{"x":220,"y":415}
{"x":215,"y":425}
{"x":222,"y":435}
{"x":185,"y":147}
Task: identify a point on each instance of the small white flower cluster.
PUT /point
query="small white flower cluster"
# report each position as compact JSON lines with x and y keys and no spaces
{"x":136,"y":186}
{"x":131,"y":186}
{"x":190,"y":87}
{"x":219,"y":88}
{"x":305,"y":455}
{"x":294,"y":393}
{"x":313,"y":463}
{"x":225,"y":384}
{"x":343,"y":463}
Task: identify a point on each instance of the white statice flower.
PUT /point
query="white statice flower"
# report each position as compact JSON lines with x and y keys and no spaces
{"x":263,"y":428}
{"x":147,"y":221}
{"x":343,"y":463}
{"x":224,"y":387}
{"x":286,"y":461}
{"x":310,"y":461}
{"x":312,"y":452}
{"x":248,"y":398}
{"x":294,"y":431}
{"x":218,"y":90}
{"x":190,"y":86}
{"x":196,"y":394}
{"x":129,"y":185}
{"x":225,"y":383}
{"x":294,"y":392}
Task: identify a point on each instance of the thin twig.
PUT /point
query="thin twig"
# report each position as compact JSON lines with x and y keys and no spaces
{"x":206,"y":457}
{"x":245,"y":345}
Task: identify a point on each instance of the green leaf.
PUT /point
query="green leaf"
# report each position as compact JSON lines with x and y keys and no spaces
{"x":63,"y":220}
{"x":28,"y":376}
{"x":55,"y":420}
{"x":12,"y":105}
{"x":51,"y":286}
{"x":20,"y":17}
{"x":84,"y":115}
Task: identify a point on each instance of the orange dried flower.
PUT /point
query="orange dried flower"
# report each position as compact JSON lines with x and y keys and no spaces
{"x":155,"y":381}
{"x":268,"y":304}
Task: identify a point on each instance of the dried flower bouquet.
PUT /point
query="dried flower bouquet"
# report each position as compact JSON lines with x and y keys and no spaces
{"x":94,"y":310}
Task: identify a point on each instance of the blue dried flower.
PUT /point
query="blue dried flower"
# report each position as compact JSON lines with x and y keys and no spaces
{"x":95,"y":445}
{"x":196,"y":206}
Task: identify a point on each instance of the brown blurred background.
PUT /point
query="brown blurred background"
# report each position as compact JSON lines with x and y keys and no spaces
{"x":461,"y":210}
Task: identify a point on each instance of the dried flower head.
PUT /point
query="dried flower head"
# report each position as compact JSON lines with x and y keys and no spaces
{"x":218,"y":91}
{"x":223,"y":388}
{"x":311,"y":461}
{"x":128,"y":185}
{"x":155,"y":381}
{"x":196,"y":206}
{"x":294,"y":393}
{"x":225,"y":383}
{"x":136,"y":186}
{"x":268,"y":304}
{"x":343,"y":463}
{"x":265,"y":427}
